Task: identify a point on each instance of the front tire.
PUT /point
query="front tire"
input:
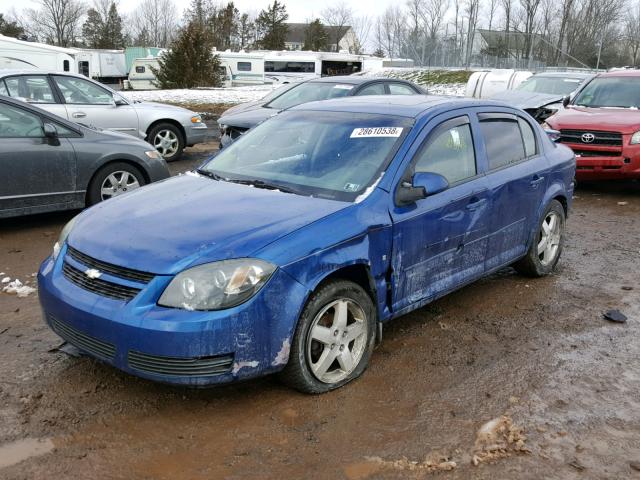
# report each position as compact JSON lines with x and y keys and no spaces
{"x":112,"y":180}
{"x":546,"y":247}
{"x":334,"y":339}
{"x":168,"y":140}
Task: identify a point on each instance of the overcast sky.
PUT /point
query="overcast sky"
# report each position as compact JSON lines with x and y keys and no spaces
{"x":299,"y":10}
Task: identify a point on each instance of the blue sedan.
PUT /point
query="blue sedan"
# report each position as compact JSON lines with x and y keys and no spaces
{"x":288,"y":251}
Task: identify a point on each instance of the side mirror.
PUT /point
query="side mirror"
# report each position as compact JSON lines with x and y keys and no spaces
{"x":566,"y":100}
{"x":119,"y":101}
{"x":423,"y":184}
{"x":50,"y":131}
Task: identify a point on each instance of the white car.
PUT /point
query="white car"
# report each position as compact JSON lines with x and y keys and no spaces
{"x":168,"y":128}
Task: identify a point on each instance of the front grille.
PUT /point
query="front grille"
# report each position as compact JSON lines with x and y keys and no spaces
{"x":595,"y":153}
{"x":195,"y":367}
{"x":126,"y":273}
{"x":600,"y":138}
{"x":100,"y":287}
{"x":83,"y":341}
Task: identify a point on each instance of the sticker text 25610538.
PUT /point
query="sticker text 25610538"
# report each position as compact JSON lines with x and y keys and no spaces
{"x":376,"y":132}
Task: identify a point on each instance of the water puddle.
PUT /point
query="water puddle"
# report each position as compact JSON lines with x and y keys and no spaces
{"x":16,"y":452}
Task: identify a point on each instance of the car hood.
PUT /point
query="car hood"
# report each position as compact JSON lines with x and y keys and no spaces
{"x":243,"y":107}
{"x":187,"y":220}
{"x":249,"y":118}
{"x":527,"y":100}
{"x":622,"y":120}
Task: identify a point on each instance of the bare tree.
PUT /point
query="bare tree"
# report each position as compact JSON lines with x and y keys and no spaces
{"x":632,"y":34}
{"x":156,"y":20}
{"x":390,"y":30}
{"x":339,"y":16}
{"x":56,"y":21}
{"x":472,"y":9}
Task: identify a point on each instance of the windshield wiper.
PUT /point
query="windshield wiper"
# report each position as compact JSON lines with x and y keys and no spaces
{"x":257,"y":183}
{"x":209,"y":174}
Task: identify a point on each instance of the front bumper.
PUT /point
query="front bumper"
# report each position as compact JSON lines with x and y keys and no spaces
{"x":607,"y":163}
{"x":195,"y":133}
{"x":171,"y":345}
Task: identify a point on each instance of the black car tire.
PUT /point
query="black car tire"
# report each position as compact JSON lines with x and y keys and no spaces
{"x":94,"y":194}
{"x":167,"y":127}
{"x":532,"y":265}
{"x":298,"y":373}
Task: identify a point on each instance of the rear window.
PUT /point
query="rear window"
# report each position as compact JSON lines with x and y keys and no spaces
{"x":310,"y":92}
{"x":503,"y":141}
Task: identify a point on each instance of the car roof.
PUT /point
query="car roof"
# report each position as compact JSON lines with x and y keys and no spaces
{"x":410,"y":106}
{"x":563,"y":74}
{"x":621,"y":73}
{"x":353,"y":79}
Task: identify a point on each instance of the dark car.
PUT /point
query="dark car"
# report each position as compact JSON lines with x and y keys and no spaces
{"x":237,"y":120}
{"x":49,"y":163}
{"x":291,"y":248}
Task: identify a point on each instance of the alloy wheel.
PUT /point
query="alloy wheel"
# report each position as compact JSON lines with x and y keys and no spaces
{"x":118,"y":183}
{"x":549,"y":241}
{"x":337,"y":340}
{"x":166,"y":143}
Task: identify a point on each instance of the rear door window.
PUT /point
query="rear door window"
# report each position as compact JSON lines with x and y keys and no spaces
{"x":503,"y":139}
{"x":374,"y":89}
{"x":30,"y":88}
{"x":528,"y":136}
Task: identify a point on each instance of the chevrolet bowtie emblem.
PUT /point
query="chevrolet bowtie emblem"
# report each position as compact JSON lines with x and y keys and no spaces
{"x":93,"y":273}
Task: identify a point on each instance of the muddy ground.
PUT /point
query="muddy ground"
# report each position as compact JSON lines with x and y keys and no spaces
{"x":536,"y":350}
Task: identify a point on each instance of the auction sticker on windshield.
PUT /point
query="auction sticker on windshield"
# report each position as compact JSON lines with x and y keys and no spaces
{"x":376,"y":132}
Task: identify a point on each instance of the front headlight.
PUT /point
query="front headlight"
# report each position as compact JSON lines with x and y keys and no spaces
{"x":62,"y":238}
{"x":218,"y":285}
{"x":635,"y":138}
{"x":153,"y":154}
{"x":196,"y":119}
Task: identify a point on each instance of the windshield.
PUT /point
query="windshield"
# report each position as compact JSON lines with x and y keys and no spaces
{"x":622,"y":92}
{"x":324,"y":154}
{"x":309,"y":92}
{"x":551,"y":85}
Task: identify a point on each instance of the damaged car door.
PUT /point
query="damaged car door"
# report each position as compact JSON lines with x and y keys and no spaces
{"x":440,"y":242}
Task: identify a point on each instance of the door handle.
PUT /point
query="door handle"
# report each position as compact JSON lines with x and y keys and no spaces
{"x":537,"y":180}
{"x":475,"y":203}
{"x":79,"y":115}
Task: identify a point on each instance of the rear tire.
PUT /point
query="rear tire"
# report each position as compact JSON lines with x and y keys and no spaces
{"x":119,"y":175}
{"x":546,"y":246}
{"x":168,"y":140}
{"x":334,"y":339}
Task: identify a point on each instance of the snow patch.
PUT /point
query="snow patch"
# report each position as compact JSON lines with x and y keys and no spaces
{"x":283,"y":355}
{"x":368,"y":191}
{"x":17,"y":287}
{"x":6,"y":280}
{"x":233,"y":95}
{"x":238,"y":365}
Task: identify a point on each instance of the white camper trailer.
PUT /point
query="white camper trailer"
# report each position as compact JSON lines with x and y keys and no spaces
{"x":106,"y":66}
{"x":20,"y":54}
{"x":240,"y":69}
{"x":285,"y":66}
{"x":485,"y":84}
{"x":141,"y":76}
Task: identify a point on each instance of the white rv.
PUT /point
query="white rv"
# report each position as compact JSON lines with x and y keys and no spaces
{"x":241,"y":69}
{"x":20,"y":54}
{"x":285,"y":66}
{"x":141,"y":76}
{"x":106,"y":66}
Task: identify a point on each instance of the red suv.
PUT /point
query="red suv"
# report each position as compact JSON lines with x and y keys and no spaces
{"x":602,"y":126}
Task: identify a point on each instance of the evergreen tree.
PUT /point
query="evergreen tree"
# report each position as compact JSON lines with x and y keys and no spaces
{"x":271,"y":26}
{"x":315,"y":37}
{"x":199,"y":11}
{"x":93,"y":29}
{"x":10,"y":29}
{"x":246,"y":30}
{"x":113,"y":36}
{"x":190,"y":61}
{"x":379,"y":53}
{"x":228,"y":26}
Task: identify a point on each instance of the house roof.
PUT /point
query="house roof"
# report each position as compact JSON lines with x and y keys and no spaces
{"x":296,"y":32}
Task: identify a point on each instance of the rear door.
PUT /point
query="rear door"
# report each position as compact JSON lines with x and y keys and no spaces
{"x":35,"y":171}
{"x":439,"y":243}
{"x":90,"y":104}
{"x":36,"y":90}
{"x":517,"y":175}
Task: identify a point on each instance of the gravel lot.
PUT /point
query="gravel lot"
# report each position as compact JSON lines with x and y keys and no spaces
{"x":537,"y":351}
